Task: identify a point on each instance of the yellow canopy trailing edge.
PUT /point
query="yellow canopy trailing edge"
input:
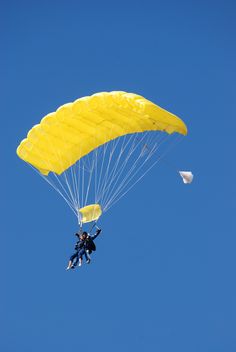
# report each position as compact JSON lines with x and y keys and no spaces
{"x":89,"y":213}
{"x":75,"y":129}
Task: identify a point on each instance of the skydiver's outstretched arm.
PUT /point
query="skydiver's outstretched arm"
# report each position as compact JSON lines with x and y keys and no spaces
{"x":98,"y":231}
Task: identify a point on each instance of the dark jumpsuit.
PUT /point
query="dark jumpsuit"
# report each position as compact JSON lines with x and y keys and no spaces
{"x":89,"y":244}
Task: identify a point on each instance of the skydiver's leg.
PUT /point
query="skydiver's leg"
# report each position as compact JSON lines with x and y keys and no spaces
{"x":87,"y":256}
{"x":70,"y":264}
{"x":81,"y":253}
{"x":76,"y":260}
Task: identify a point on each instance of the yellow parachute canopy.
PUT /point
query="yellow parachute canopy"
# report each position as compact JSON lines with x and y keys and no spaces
{"x":90,"y":213}
{"x":75,"y":129}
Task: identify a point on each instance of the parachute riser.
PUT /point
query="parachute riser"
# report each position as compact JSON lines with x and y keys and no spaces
{"x":80,"y":223}
{"x":90,"y":230}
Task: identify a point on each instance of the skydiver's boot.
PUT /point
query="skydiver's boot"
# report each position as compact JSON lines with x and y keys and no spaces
{"x":80,"y":261}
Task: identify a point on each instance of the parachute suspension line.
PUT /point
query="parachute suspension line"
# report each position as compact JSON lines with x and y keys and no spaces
{"x":107,"y":182}
{"x":82,"y":193}
{"x":113,"y":145}
{"x":53,"y":186}
{"x":104,"y":147}
{"x":76,"y":170}
{"x":113,"y":173}
{"x":89,"y":182}
{"x":62,"y":187}
{"x":134,"y":171}
{"x":123,"y":165}
{"x":101,"y":169}
{"x":95,"y":176}
{"x":101,"y":179}
{"x":95,"y":155}
{"x":117,"y":176}
{"x":94,"y":224}
{"x":113,"y":148}
{"x":153,"y":164}
{"x":127,"y":179}
{"x":72,"y":172}
{"x":129,"y":175}
{"x":69,"y":187}
{"x":79,"y":223}
{"x":125,"y":183}
{"x":68,"y":201}
{"x":108,"y":174}
{"x":79,"y":183}
{"x":69,"y":181}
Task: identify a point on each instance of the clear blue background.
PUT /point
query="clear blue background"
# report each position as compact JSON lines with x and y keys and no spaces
{"x":163,"y":277}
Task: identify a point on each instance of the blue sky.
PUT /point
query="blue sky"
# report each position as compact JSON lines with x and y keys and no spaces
{"x":166,"y":283}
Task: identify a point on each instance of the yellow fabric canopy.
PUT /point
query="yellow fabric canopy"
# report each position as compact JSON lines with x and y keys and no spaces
{"x":77,"y":128}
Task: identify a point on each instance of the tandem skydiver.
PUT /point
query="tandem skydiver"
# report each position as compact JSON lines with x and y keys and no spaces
{"x":83,"y":247}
